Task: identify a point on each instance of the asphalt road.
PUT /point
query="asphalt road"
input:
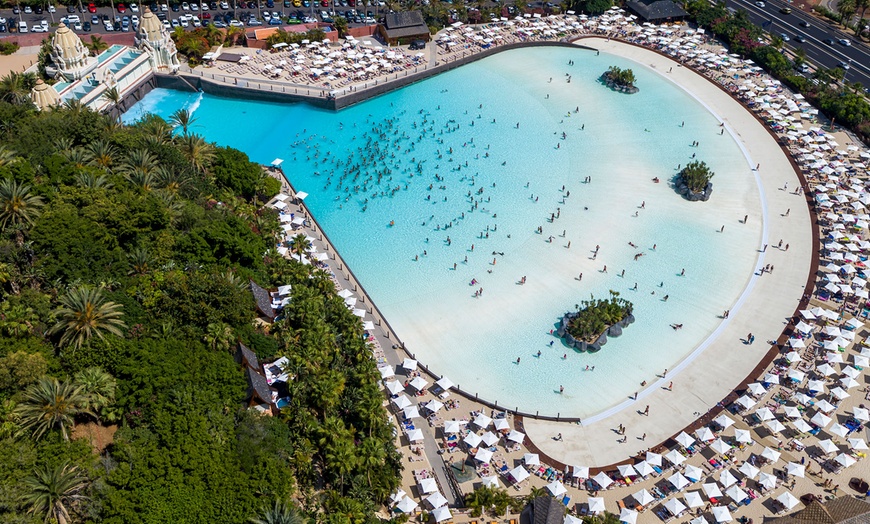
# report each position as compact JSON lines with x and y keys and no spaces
{"x":818,"y":52}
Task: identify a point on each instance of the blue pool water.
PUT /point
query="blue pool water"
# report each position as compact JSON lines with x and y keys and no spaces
{"x":396,"y":150}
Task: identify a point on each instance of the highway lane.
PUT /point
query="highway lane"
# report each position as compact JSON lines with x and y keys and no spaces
{"x":817,"y":31}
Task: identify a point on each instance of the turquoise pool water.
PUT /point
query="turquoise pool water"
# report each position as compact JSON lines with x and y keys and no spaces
{"x":105,"y":55}
{"x":445,"y":158}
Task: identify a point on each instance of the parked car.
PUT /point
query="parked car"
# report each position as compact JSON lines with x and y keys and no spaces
{"x":92,"y":8}
{"x":22,"y":26}
{"x":86,"y":26}
{"x":121,"y":8}
{"x":28,"y":10}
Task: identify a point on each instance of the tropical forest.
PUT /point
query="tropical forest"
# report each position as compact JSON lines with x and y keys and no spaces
{"x":127,"y":254}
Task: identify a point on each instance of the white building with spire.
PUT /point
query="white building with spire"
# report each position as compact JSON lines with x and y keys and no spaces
{"x":153,"y":38}
{"x":70,"y":57}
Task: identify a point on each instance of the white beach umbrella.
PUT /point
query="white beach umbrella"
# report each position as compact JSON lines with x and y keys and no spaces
{"x":441,"y":514}
{"x":727,"y":479}
{"x":483,"y":455}
{"x":643,"y":468}
{"x":419,"y":383}
{"x":699,"y":520}
{"x":861,"y":414}
{"x":411,"y":412}
{"x":472,"y":440}
{"x":482,"y":421}
{"x":678,"y":480}
{"x":596,"y":505}
{"x":501,"y":424}
{"x":675,"y":506}
{"x":556,"y":488}
{"x":816,"y":385}
{"x":743,"y":436}
{"x":712,"y":490}
{"x":531,"y":459}
{"x":749,"y":470}
{"x":802,"y":426}
{"x":693,"y":473}
{"x":756,"y":389}
{"x":406,"y":505}
{"x":724,"y":420}
{"x":849,"y":382}
{"x":746,"y":401}
{"x":675,"y":457}
{"x":415,"y":435}
{"x":770,"y":378}
{"x":736,"y":494}
{"x":857,"y":443}
{"x":428,"y":485}
{"x":721,"y":514}
{"x":519,"y":474}
{"x":845,"y":460}
{"x":402,"y":402}
{"x":395,"y":387}
{"x":434,"y":406}
{"x":775,"y":426}
{"x":828,"y":446}
{"x":788,"y":500}
{"x":629,"y":516}
{"x":719,"y":446}
{"x":571,"y":519}
{"x":452,"y":426}
{"x":764,"y":414}
{"x":580,"y":472}
{"x":820,"y":419}
{"x":838,"y":429}
{"x":704,"y":434}
{"x":794,"y":469}
{"x":386,"y":372}
{"x":491,"y":482}
{"x":684,"y":439}
{"x":797,"y":376}
{"x":626,"y":470}
{"x":770,"y":454}
{"x":693,"y":499}
{"x":793,"y":412}
{"x":489,"y":438}
{"x":516,"y":436}
{"x":436,"y":500}
{"x":654,"y":458}
{"x":602,"y":480}
{"x":766,"y":480}
{"x":410,"y":364}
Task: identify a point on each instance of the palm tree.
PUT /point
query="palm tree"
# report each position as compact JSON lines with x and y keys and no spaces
{"x":93,"y":181}
{"x":102,"y":154}
{"x":18,"y":206}
{"x":15,"y":87}
{"x":171,"y":180}
{"x":84,"y":312}
{"x":280,"y":513}
{"x":113,"y":96}
{"x":50,"y":404}
{"x":140,"y":261}
{"x":197,"y":151}
{"x":51,"y":491}
{"x":301,"y":244}
{"x":98,"y":388}
{"x":219,"y":336}
{"x":8,"y":156}
{"x":183,"y":119}
{"x":141,"y":178}
{"x":96,"y":45}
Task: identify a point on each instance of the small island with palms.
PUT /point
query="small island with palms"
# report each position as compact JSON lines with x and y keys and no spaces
{"x":586,"y":329}
{"x":693,"y":181}
{"x":621,"y":80}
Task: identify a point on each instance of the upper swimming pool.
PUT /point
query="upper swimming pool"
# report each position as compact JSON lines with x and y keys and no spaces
{"x":468,"y":165}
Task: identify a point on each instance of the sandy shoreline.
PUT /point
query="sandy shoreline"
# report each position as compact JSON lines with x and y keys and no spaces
{"x":701,"y":383}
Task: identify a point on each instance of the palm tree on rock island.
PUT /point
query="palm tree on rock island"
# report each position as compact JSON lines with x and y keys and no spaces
{"x":84,"y":313}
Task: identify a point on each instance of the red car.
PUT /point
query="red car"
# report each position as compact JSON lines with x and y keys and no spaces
{"x":206,"y":16}
{"x":92,"y":8}
{"x":122,"y":8}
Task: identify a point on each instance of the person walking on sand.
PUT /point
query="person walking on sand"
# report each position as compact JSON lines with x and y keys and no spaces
{"x":561,"y":389}
{"x":646,"y":411}
{"x":671,"y":386}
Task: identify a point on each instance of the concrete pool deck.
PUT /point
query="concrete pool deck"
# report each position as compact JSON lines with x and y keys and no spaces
{"x":703,"y":380}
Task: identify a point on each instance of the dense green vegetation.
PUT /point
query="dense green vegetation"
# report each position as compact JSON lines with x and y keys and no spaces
{"x":594,"y":316}
{"x":125,"y":254}
{"x":826,"y":90}
{"x":696,"y":175}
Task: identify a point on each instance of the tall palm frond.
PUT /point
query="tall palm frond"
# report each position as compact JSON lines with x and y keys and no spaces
{"x":85,"y":313}
{"x":52,"y":490}
{"x":49,"y":404}
{"x":18,"y":205}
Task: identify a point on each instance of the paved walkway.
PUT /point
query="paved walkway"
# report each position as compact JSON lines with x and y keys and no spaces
{"x":706,"y":377}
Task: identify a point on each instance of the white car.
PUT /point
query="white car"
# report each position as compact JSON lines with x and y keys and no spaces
{"x":52,"y":9}
{"x":22,"y":27}
{"x":134,"y":8}
{"x":2,"y":20}
{"x":109,"y":27}
{"x":196,"y":22}
{"x":185,"y":6}
{"x":760,"y":4}
{"x":845,"y":42}
{"x":71,"y":19}
{"x":203,"y":6}
{"x":225,"y":6}
{"x":38,"y":29}
{"x":183,"y":21}
{"x":167,"y":25}
{"x":164,"y":7}
{"x":134,"y":20}
{"x":236,"y":23}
